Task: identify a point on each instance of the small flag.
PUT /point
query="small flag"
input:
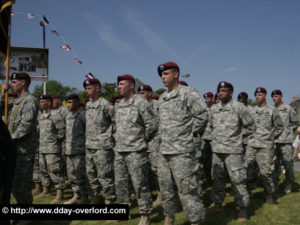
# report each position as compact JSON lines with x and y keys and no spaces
{"x":89,"y":76}
{"x":44,"y":21}
{"x":186,"y":75}
{"x":29,"y":15}
{"x":55,"y":32}
{"x":66,"y":47}
{"x":78,"y":61}
{"x":12,"y":13}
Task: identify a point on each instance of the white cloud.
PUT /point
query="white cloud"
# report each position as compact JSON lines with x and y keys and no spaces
{"x":231,"y":69}
{"x":107,"y":35}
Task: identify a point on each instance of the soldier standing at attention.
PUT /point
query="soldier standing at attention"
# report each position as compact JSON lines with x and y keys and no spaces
{"x":136,"y":124}
{"x":22,"y":125}
{"x":153,"y":146}
{"x":260,"y":147}
{"x":52,"y":129}
{"x":182,"y":116}
{"x":99,"y":142}
{"x":283,"y":144}
{"x":206,"y":149}
{"x":75,"y":151}
{"x":228,"y":120}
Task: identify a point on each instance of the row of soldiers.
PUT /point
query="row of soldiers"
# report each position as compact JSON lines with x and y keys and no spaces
{"x":115,"y":145}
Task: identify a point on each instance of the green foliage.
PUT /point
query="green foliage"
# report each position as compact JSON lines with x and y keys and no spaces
{"x":111,"y":90}
{"x":251,"y":102}
{"x":54,"y":88}
{"x":160,"y":91}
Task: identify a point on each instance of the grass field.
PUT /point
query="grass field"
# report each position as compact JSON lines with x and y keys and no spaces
{"x":286,"y":212}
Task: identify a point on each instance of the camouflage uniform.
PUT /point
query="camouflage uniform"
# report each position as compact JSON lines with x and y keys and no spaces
{"x":99,"y":144}
{"x":283,"y":145}
{"x":75,"y":151}
{"x":22,"y":128}
{"x":63,"y":112}
{"x":136,"y":124}
{"x":227,"y":123}
{"x":52,"y":129}
{"x":182,"y":116}
{"x":260,"y":147}
{"x":36,"y":168}
{"x":206,"y":153}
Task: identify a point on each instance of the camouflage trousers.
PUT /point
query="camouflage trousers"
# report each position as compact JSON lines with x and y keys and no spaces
{"x":264,"y":158}
{"x":22,"y":182}
{"x":99,"y":168}
{"x":136,"y":165}
{"x":178,"y":177}
{"x":77,"y":173}
{"x":62,"y":146}
{"x":153,"y":180}
{"x":206,"y":158}
{"x":284,"y":154}
{"x":36,"y":168}
{"x":51,"y":170}
{"x":233,"y":163}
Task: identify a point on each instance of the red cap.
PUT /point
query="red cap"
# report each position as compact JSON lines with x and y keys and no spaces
{"x":156,"y":97}
{"x":57,"y":96}
{"x":145,"y":88}
{"x":260,"y":90}
{"x":182,"y":82}
{"x":166,"y":66}
{"x":46,"y":97}
{"x":208,"y":95}
{"x":224,"y":84}
{"x":20,"y":76}
{"x":242,"y":95}
{"x":276,"y":92}
{"x":72,"y":97}
{"x":126,"y":77}
{"x":89,"y":82}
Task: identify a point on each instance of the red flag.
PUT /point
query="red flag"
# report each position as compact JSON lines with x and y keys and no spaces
{"x":29,"y":15}
{"x":66,"y":47}
{"x":78,"y":61}
{"x":44,"y":21}
{"x":55,"y":32}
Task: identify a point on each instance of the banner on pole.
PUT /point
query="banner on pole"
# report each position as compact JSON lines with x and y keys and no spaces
{"x":33,"y":61}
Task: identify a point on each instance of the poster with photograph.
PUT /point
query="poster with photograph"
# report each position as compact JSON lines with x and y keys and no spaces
{"x":33,"y":61}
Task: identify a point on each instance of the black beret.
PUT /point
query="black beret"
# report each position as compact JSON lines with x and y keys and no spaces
{"x":276,"y":92}
{"x":72,"y":97}
{"x":242,"y":95}
{"x":46,"y":97}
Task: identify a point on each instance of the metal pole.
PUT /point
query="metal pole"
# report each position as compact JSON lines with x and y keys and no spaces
{"x":44,"y":46}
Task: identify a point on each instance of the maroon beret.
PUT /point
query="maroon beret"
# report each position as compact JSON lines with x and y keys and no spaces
{"x":276,"y":92}
{"x":46,"y":97}
{"x":260,"y":90}
{"x":166,"y":66}
{"x":145,"y":88}
{"x":156,"y":97}
{"x":208,"y":95}
{"x":72,"y":97}
{"x":89,"y":82}
{"x":182,"y":82}
{"x":57,"y":96}
{"x":13,"y":95}
{"x":126,"y":77}
{"x":242,"y":95}
{"x":224,"y":84}
{"x":20,"y":76}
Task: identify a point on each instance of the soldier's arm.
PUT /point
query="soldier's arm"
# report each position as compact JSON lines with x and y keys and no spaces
{"x":150,"y":120}
{"x":29,"y":113}
{"x":60,"y":125}
{"x":278,"y":124}
{"x":293,"y":119}
{"x":199,"y":113}
{"x":247,"y":120}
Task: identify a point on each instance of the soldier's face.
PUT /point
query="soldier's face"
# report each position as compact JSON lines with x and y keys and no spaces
{"x":56,"y":103}
{"x":146,"y":94}
{"x":243,"y":100}
{"x":72,"y":105}
{"x":91,"y":90}
{"x":18,"y":85}
{"x":169,"y":77}
{"x":225,"y":94}
{"x":125,"y":87}
{"x":208,"y":101}
{"x":260,"y":97}
{"x":45,"y":104}
{"x":277,"y":99}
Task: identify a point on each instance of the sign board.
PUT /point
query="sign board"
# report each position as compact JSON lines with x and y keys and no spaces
{"x":33,"y":61}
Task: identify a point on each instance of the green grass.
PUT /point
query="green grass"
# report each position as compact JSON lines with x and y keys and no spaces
{"x":286,"y":212}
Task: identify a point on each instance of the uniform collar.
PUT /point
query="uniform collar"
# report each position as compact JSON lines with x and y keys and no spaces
{"x":172,"y":94}
{"x":18,"y":100}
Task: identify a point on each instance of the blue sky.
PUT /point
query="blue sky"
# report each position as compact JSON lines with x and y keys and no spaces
{"x":249,"y":43}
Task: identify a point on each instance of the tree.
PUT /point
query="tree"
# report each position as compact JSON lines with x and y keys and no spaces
{"x":160,"y":91}
{"x":54,"y":88}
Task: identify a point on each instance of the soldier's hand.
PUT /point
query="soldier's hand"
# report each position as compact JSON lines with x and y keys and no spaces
{"x":5,"y":87}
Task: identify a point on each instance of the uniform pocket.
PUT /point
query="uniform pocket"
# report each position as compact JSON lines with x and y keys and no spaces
{"x":189,"y":184}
